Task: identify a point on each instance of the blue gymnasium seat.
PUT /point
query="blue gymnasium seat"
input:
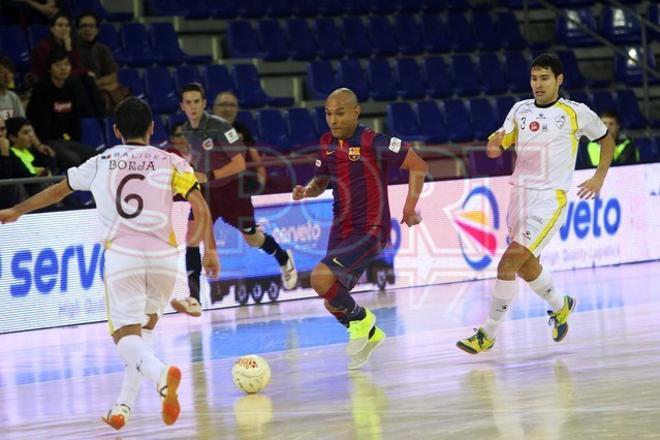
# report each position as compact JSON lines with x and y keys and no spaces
{"x":465,"y":76}
{"x":458,"y":121}
{"x":350,"y":75}
{"x":93,"y":133}
{"x":36,"y":33}
{"x":461,"y":33}
{"x":503,"y":105}
{"x":356,"y":37}
{"x":629,"y":72}
{"x":165,"y":43}
{"x":483,"y":118}
{"x":583,"y":97}
{"x":435,"y":35}
{"x":432,"y":122}
{"x":273,"y":130}
{"x":184,"y":75}
{"x":109,"y":36}
{"x":216,"y":79}
{"x":15,"y":46}
{"x":492,"y":74}
{"x":569,"y":33}
{"x":620,"y":26}
{"x":409,"y":35}
{"x":573,"y":78}
{"x":131,"y":78}
{"x":135,"y":43}
{"x":509,"y":31}
{"x":246,"y":118}
{"x":383,"y":38}
{"x":328,"y":40}
{"x":603,"y":101}
{"x":649,"y":150}
{"x":628,"y":109}
{"x":272,"y":40}
{"x":242,"y":40}
{"x":160,"y":90}
{"x":80,"y":6}
{"x":402,"y":122}
{"x":303,"y":132}
{"x":252,"y":8}
{"x":383,"y":84}
{"x":249,"y":91}
{"x":411,"y":83}
{"x":486,"y":32}
{"x":160,"y":138}
{"x":439,"y":81}
{"x":321,"y":79}
{"x":302,"y":43}
{"x":517,"y":71}
{"x":319,"y":118}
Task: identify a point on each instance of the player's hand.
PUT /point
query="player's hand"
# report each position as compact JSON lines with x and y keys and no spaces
{"x":590,"y":188}
{"x":9,"y":215}
{"x":411,"y":218}
{"x":211,"y":264}
{"x":299,"y":192}
{"x":494,"y":143}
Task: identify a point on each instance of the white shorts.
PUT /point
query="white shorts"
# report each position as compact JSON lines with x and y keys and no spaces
{"x":534,"y":216}
{"x":137,"y":283}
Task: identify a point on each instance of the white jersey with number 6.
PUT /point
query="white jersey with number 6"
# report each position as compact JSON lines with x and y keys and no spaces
{"x":133,"y":186}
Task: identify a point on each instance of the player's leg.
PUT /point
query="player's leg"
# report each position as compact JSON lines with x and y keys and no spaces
{"x":240,"y":214}
{"x":191,"y":305}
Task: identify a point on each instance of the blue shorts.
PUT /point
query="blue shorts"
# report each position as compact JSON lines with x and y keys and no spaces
{"x":348,"y":257}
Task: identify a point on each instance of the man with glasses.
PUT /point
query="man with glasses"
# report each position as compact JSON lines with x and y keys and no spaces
{"x":226,"y":106}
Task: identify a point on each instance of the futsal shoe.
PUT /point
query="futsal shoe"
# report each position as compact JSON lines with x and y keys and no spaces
{"x":168,"y":387}
{"x":362,"y":356}
{"x":477,"y":343}
{"x":289,"y":272}
{"x":117,"y":416}
{"x":559,"y":319}
{"x":358,"y":333}
{"x":189,"y":306}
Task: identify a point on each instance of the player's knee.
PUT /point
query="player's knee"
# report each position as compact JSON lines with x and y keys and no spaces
{"x":322,"y":279}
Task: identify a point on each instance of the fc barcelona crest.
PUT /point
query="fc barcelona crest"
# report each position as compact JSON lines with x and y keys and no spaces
{"x":354,"y":153}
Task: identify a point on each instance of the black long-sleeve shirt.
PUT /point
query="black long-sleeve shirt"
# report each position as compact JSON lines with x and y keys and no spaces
{"x":55,"y":112}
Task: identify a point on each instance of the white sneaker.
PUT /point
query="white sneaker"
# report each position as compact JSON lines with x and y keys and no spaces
{"x":117,"y":416}
{"x":289,"y":272}
{"x":168,"y":387}
{"x":189,"y":306}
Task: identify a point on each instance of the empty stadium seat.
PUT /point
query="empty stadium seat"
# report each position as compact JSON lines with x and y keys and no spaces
{"x":630,"y":72}
{"x":160,"y":138}
{"x":251,"y":8}
{"x":620,"y":26}
{"x":518,"y":71}
{"x":109,"y":36}
{"x":383,"y":84}
{"x":36,"y":33}
{"x":465,"y":76}
{"x":246,"y":118}
{"x":80,"y":6}
{"x":249,"y":91}
{"x":321,"y":79}
{"x":135,"y":44}
{"x":160,"y":90}
{"x":409,"y":35}
{"x":131,"y":78}
{"x":184,"y":75}
{"x":503,"y":106}
{"x":411,"y":83}
{"x":509,"y":31}
{"x":328,"y":38}
{"x":432,"y":122}
{"x":570,"y":33}
{"x":350,"y":75}
{"x":272,"y":40}
{"x":302,"y":43}
{"x":486,"y":32}
{"x":216,"y":79}
{"x":15,"y":46}
{"x":458,"y":121}
{"x":493,"y":80}
{"x":435,"y":35}
{"x":483,"y":117}
{"x":93,"y":133}
{"x":440,"y":83}
{"x":628,"y":107}
{"x":319,"y":118}
{"x":584,"y":98}
{"x":402,"y":122}
{"x":303,"y":132}
{"x":356,"y":37}
{"x":165,"y":43}
{"x":242,"y":40}
{"x":383,"y":38}
{"x":461,"y":33}
{"x":573,"y":78}
{"x":649,"y":151}
{"x":273,"y":130}
{"x":603,"y":101}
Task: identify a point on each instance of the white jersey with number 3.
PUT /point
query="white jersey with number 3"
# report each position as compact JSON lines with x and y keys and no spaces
{"x":133,"y":187}
{"x":546,"y":140}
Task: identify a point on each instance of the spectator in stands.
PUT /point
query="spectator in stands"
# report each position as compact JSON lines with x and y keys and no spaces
{"x":55,"y":111}
{"x":8,"y":65}
{"x":27,"y":12}
{"x":9,"y":194}
{"x":178,"y":143}
{"x":60,"y":40}
{"x":226,"y":107}
{"x":97,"y":58}
{"x":625,"y":152}
{"x":10,"y":103}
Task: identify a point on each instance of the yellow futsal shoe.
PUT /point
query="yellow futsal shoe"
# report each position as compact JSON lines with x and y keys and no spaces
{"x":559,"y":319}
{"x":477,"y":343}
{"x":358,"y":333}
{"x":117,"y":416}
{"x":362,"y":356}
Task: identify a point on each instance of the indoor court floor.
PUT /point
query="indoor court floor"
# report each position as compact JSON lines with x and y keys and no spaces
{"x":601,"y":382}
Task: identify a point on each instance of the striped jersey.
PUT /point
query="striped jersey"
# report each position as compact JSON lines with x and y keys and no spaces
{"x":358,"y":172}
{"x":546,"y":141}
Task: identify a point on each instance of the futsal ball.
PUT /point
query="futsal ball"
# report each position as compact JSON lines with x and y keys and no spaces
{"x":251,"y":373}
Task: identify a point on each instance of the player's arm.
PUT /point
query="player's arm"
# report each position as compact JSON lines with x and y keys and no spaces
{"x":494,"y":147}
{"x":590,"y":188}
{"x":314,"y":188}
{"x":204,"y":228}
{"x":47,"y":197}
{"x":261,"y":170}
{"x":236,"y":165}
{"x":417,"y":169}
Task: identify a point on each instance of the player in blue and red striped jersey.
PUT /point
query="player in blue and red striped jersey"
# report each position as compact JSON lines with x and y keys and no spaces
{"x":355,"y":159}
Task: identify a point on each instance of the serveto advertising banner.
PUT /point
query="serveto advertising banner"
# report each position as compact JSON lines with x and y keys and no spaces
{"x":51,"y":265}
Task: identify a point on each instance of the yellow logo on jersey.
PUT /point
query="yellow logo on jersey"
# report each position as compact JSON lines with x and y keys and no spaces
{"x":353,"y":153}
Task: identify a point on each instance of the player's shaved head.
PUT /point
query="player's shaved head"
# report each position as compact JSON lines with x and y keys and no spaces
{"x":342,"y":112}
{"x":345,"y":96}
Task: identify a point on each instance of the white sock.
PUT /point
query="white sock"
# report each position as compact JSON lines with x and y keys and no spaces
{"x":503,"y":295}
{"x":545,"y":288}
{"x":132,"y":379}
{"x":135,"y":353}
